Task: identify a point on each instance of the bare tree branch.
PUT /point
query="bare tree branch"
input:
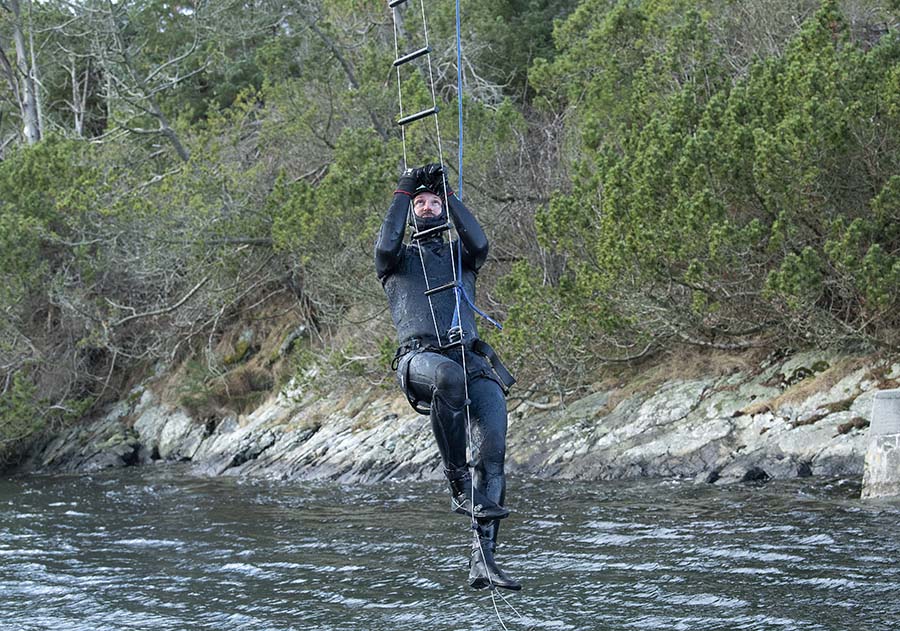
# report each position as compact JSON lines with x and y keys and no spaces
{"x":170,"y":309}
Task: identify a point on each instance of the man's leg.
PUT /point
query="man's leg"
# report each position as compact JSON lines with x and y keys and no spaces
{"x":440,"y":381}
{"x":489,"y":420}
{"x":489,"y":424}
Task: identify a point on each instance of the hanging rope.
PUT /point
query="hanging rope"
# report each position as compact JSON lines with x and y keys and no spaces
{"x":456,"y":269}
{"x":459,"y":105}
{"x":459,"y":97}
{"x":406,"y":161}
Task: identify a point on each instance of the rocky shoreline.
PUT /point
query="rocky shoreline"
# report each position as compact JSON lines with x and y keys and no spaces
{"x":803,"y":415}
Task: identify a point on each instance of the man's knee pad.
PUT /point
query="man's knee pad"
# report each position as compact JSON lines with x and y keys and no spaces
{"x":450,"y":384}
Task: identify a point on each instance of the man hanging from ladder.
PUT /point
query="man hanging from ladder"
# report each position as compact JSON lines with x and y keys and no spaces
{"x":430,"y":285}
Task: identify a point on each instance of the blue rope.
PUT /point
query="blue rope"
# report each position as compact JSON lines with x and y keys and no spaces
{"x":459,"y":96}
{"x":465,"y":296}
{"x":461,"y":292}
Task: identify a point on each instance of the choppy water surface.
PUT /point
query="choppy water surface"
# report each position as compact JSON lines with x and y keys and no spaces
{"x":156,"y":548}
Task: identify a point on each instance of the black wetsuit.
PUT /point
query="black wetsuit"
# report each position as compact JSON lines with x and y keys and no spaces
{"x":433,"y":377}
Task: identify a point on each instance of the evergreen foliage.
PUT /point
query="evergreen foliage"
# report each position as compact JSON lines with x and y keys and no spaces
{"x":651,"y":173}
{"x":717,"y":209}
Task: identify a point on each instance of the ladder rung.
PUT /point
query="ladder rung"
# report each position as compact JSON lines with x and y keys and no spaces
{"x":411,"y":56}
{"x":436,"y":290}
{"x":431,"y":231}
{"x":395,"y":3}
{"x":414,"y":117}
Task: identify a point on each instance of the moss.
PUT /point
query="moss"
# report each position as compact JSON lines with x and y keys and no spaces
{"x":239,"y":390}
{"x":241,"y":351}
{"x":134,"y":397}
{"x":118,"y":439}
{"x":820,"y":366}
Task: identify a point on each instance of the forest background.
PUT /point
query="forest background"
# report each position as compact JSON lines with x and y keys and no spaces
{"x":654,"y":175}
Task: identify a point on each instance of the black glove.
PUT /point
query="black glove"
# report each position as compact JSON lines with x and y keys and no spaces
{"x":409,"y":181}
{"x":434,"y":177}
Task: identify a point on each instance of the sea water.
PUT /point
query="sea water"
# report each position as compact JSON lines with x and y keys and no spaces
{"x":159,"y":548}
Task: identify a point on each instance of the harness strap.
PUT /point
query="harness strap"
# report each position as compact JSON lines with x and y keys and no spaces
{"x":500,"y":374}
{"x":486,"y":350}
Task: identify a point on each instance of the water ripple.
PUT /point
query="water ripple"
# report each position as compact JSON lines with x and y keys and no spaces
{"x":159,"y":549}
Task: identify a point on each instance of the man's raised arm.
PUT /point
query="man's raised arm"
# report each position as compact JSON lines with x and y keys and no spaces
{"x":474,"y":241}
{"x":390,"y":238}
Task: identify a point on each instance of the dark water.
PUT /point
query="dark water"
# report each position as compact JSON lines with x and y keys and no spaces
{"x":156,"y":548}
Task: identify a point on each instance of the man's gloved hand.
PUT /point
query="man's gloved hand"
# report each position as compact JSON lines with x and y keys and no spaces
{"x":434,"y":177}
{"x":409,"y":181}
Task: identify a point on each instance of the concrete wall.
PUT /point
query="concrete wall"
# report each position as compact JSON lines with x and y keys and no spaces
{"x":881,"y":477}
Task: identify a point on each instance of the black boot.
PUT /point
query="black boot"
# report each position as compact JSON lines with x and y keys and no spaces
{"x":483,"y":570}
{"x":462,"y":494}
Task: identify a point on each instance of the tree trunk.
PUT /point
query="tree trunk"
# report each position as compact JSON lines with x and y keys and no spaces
{"x":38,"y":105}
{"x":79,"y":94}
{"x":348,"y":70}
{"x":28,"y":99}
{"x":169,"y":133}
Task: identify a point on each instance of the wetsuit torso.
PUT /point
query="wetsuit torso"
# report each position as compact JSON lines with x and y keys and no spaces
{"x":399,"y":268}
{"x":405,"y":287}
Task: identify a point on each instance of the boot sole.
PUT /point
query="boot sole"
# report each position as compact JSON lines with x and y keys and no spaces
{"x":479,"y":583}
{"x":484,"y":583}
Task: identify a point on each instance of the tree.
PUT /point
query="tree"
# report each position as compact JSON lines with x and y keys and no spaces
{"x":21,"y":76}
{"x":721,"y":197}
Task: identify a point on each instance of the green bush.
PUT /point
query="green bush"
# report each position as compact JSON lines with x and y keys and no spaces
{"x":713,"y":208}
{"x":20,"y":415}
